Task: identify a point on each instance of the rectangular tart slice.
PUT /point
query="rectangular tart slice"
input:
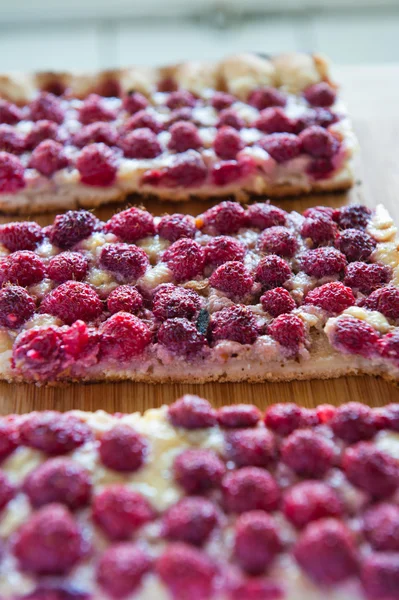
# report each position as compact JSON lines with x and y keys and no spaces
{"x":244,"y":126}
{"x":193,"y":503}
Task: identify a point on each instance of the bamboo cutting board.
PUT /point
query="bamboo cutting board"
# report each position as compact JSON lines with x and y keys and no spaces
{"x":372,"y":94}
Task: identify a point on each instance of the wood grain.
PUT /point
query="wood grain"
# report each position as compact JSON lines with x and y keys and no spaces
{"x":372,"y":94}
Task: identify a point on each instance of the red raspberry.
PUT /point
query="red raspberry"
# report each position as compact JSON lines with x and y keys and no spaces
{"x":274,"y":120}
{"x":277,"y":302}
{"x":180,"y":114}
{"x":320,"y":94}
{"x":23,"y":268}
{"x":38,"y":353}
{"x":255,"y":588}
{"x":185,"y":258}
{"x":187,"y":573}
{"x":257,"y":541}
{"x":326,"y":552}
{"x":263,"y":215}
{"x":197,"y":471}
{"x":188,"y":170}
{"x":23,"y":235}
{"x":272,"y":271}
{"x":142,"y":120}
{"x":354,"y":336}
{"x":229,"y":171}
{"x":320,"y":168}
{"x":41,"y":131}
{"x":66,"y":266}
{"x":81,"y":343}
{"x":134,"y":101}
{"x":325,"y":412}
{"x":283,"y":419}
{"x":96,"y":133}
{"x":9,"y":113}
{"x":289,"y":331}
{"x":281,"y":146}
{"x":121,"y":568}
{"x":323,"y":262}
{"x":316,"y":116}
{"x":220,"y":100}
{"x":233,"y":279}
{"x":48,"y":157}
{"x":126,"y":261}
{"x":262,"y":98}
{"x":72,"y":227}
{"x":307,"y":453}
{"x":47,"y":106}
{"x":54,"y":433}
{"x":94,"y":109}
{"x":7,"y":491}
{"x":181,"y":337}
{"x":180,"y":98}
{"x":357,"y":245}
{"x":141,"y":144}
{"x":278,"y":240}
{"x":318,"y":142}
{"x":381,"y":527}
{"x":333,"y":297}
{"x":59,"y":480}
{"x":227,"y":143}
{"x":122,"y":449}
{"x":224,"y":218}
{"x":319,"y":229}
{"x":124,"y":336}
{"x":371,"y":470}
{"x":11,"y":140}
{"x":250,"y":488}
{"x":97,"y":165}
{"x":11,"y":173}
{"x":389,"y":345}
{"x":353,"y":422}
{"x":50,"y":543}
{"x":131,"y":225}
{"x":192,"y":520}
{"x":235,"y":323}
{"x":229,"y":118}
{"x":16,"y":306}
{"x":9,"y":437}
{"x":192,"y":412}
{"x":176,"y":226}
{"x":251,"y":447}
{"x":73,"y":301}
{"x":366,"y":277}
{"x":380,"y":575}
{"x":125,"y":298}
{"x":169,"y":303}
{"x":238,"y":415}
{"x":390,"y":415}
{"x":184,"y":136}
{"x":315,"y":211}
{"x":386,"y":301}
{"x":354,"y":216}
{"x":310,"y":501}
{"x":223,"y":249}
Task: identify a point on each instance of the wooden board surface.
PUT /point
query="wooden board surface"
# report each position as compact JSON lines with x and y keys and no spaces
{"x":372,"y":94}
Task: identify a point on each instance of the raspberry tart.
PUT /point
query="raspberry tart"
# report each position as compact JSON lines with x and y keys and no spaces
{"x":244,"y":126}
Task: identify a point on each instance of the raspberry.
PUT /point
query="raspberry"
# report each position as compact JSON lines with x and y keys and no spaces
{"x":22,"y":235}
{"x":307,"y":453}
{"x":54,"y":433}
{"x":9,"y":438}
{"x":7,"y":491}
{"x":229,"y":118}
{"x":274,"y":120}
{"x":225,"y":218}
{"x":257,"y":541}
{"x":366,"y":277}
{"x":38,"y":353}
{"x":320,"y":168}
{"x":66,"y":266}
{"x":262,"y":98}
{"x":134,"y":101}
{"x":220,"y":100}
{"x":73,"y":301}
{"x":318,"y":142}
{"x":23,"y":268}
{"x":121,"y":568}
{"x":235,"y":323}
{"x":333,"y":297}
{"x":371,"y":470}
{"x":176,"y":226}
{"x":192,"y":412}
{"x":96,"y":133}
{"x":47,"y":106}
{"x":180,"y":114}
{"x":229,"y":171}
{"x":124,"y":260}
{"x":71,"y":228}
{"x":278,"y":240}
{"x":94,"y":109}
{"x":250,"y":488}
{"x":141,"y":144}
{"x":354,"y":216}
{"x":315,"y":211}
{"x":357,"y":245}
{"x":125,"y":298}
{"x":124,"y":336}
{"x":326,"y":552}
{"x":122,"y":449}
{"x":191,"y":520}
{"x":131,"y":225}
{"x":233,"y":279}
{"x":227,"y":143}
{"x":277,"y":302}
{"x":381,"y":527}
{"x":197,"y":471}
{"x":289,"y":331}
{"x":251,"y":447}
{"x":9,"y":113}
{"x":320,"y":94}
{"x":11,"y":140}
{"x":353,"y":336}
{"x":16,"y":306}
{"x":316,"y":116}
{"x":281,"y":146}
{"x":48,"y":157}
{"x":380,"y":576}
{"x":239,"y":415}
{"x":272,"y":271}
{"x":11,"y":173}
{"x":309,"y":501}
{"x":386,"y":301}
{"x":187,"y":573}
{"x":353,"y":422}
{"x":185,"y":258}
{"x":263,"y":215}
{"x":256,"y":588}
{"x":323,"y":262}
{"x":120,"y":512}
{"x":319,"y":229}
{"x":142,"y":120}
{"x":188,"y":170}
{"x":59,"y":480}
{"x":389,"y":345}
{"x":223,"y":249}
{"x":325,"y":412}
{"x":175,"y":302}
{"x":181,"y":337}
{"x":184,"y":136}
{"x":390,"y":415}
{"x":180,"y":98}
{"x":97,"y":166}
{"x":283,"y":419}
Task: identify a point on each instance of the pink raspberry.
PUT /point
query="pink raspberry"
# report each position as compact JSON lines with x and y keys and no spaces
{"x":255,"y":588}
{"x":9,"y":437}
{"x":11,"y":173}
{"x":23,"y":235}
{"x":274,"y":120}
{"x":169,"y":303}
{"x":353,"y":422}
{"x":96,"y":133}
{"x":227,"y":143}
{"x":197,"y":471}
{"x":319,"y":229}
{"x":251,"y":447}
{"x":16,"y":306}
{"x":233,"y":279}
{"x":181,"y":337}
{"x":38,"y":353}
{"x":47,"y":106}
{"x":185,"y":258}
{"x":389,"y":345}
{"x":380,"y":575}
{"x":123,"y":449}
{"x":220,"y":100}
{"x":277,"y":302}
{"x":238,"y":416}
{"x":125,"y":298}
{"x":7,"y":491}
{"x":225,"y":218}
{"x":235,"y":323}
{"x":353,"y":336}
{"x":278,"y":240}
{"x":333,"y":297}
{"x":73,"y":301}
{"x":250,"y":488}
{"x":323,"y":262}
{"x":176,"y":226}
{"x":181,"y":98}
{"x":386,"y":301}
{"x":289,"y":331}
{"x":192,"y":412}
{"x":257,"y":541}
{"x":318,"y":142}
{"x":230,"y":171}
{"x":61,"y":480}
{"x":354,"y":216}
{"x":66,"y":266}
{"x":94,"y":108}
{"x":320,"y":94}
{"x":134,"y":101}
{"x":265,"y":97}
{"x":381,"y":527}
{"x":23,"y":268}
{"x":11,"y":140}
{"x":187,"y":170}
{"x":307,"y":453}
{"x":272,"y":271}
{"x":131,"y":225}
{"x":191,"y":520}
{"x":366,"y":277}
{"x":97,"y":165}
{"x":120,"y":512}
{"x":124,"y":336}
{"x":141,"y":144}
{"x":371,"y":470}
{"x":179,"y":114}
{"x":126,"y":261}
{"x":142,"y":120}
{"x":9,"y":113}
{"x":223,"y":249}
{"x":326,"y":552}
{"x":71,"y":228}
{"x":283,"y":419}
{"x":184,"y":136}
{"x":281,"y":146}
{"x":229,"y":118}
{"x":310,"y":501}
{"x":121,"y":568}
{"x":41,"y":131}
{"x":263,"y":215}
{"x":48,"y":157}
{"x":54,"y":433}
{"x":357,"y":245}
